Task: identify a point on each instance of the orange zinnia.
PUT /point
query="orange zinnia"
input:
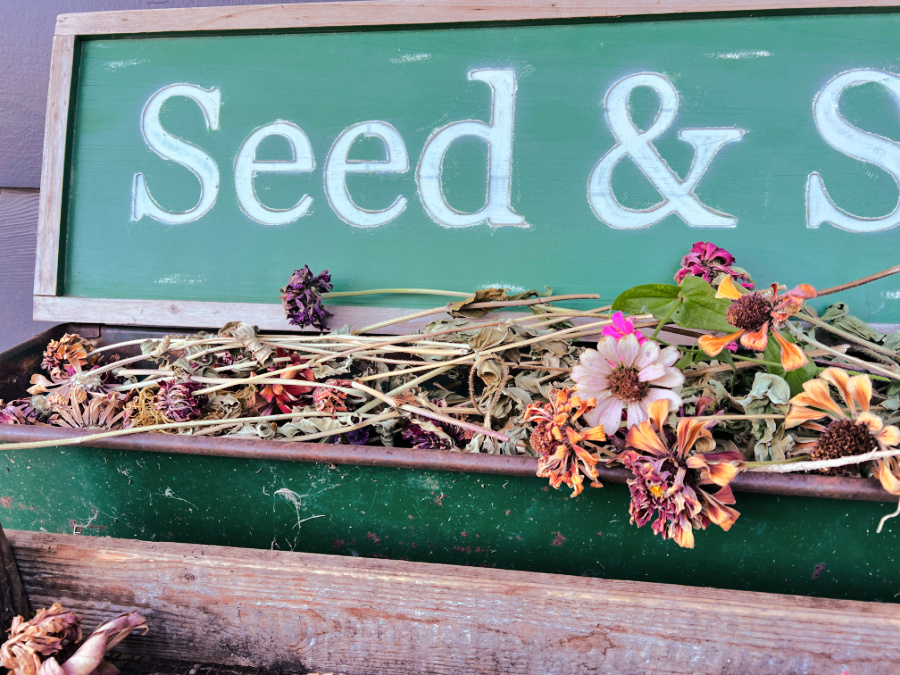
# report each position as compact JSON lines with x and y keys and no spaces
{"x":853,"y":429}
{"x":557,"y":439}
{"x":757,"y":314}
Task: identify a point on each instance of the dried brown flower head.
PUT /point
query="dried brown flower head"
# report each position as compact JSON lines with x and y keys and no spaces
{"x":71,"y":349}
{"x":45,"y":635}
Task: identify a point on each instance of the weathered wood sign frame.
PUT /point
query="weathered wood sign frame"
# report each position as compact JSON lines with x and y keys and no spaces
{"x":50,"y":305}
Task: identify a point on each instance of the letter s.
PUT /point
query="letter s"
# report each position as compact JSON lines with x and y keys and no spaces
{"x":856,"y":143}
{"x":186,"y":154}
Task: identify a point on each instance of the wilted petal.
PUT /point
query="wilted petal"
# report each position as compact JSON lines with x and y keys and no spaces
{"x":889,"y":437}
{"x":689,"y":430}
{"x":757,"y":340}
{"x":683,"y":535}
{"x":841,"y":381}
{"x":594,"y":362}
{"x":727,"y":289}
{"x":861,"y":390}
{"x":658,"y":412}
{"x":713,"y":345}
{"x":643,"y":437}
{"x":816,"y":395}
{"x":792,"y":357}
{"x":883,"y":471}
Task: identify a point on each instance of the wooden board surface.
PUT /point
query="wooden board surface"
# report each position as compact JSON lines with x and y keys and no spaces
{"x":565,"y":181}
{"x":303,"y":611}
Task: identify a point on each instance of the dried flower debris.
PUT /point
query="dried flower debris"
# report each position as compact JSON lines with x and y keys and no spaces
{"x":683,"y":409}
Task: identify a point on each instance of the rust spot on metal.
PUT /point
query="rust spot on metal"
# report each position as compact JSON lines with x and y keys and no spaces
{"x":464,"y":534}
{"x":439,"y":500}
{"x":338,"y":544}
{"x":463,"y":549}
{"x":373,"y":537}
{"x":6,"y":502}
{"x":817,"y":571}
{"x":558,"y":540}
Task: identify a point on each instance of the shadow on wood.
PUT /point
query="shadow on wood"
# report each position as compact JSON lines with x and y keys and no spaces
{"x":13,"y":600}
{"x":297,"y":611}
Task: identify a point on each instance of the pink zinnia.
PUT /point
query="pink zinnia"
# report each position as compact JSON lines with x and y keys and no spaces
{"x":622,"y":327}
{"x":626,"y":375}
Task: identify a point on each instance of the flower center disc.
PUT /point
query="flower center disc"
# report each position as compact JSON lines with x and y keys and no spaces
{"x":626,"y":386}
{"x":749,"y":312}
{"x":843,"y":438}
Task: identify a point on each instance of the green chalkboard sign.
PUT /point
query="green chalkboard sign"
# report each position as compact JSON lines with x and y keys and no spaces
{"x":198,"y":169}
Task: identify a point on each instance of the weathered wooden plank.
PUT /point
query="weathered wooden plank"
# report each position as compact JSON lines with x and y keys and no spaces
{"x":293,"y":610}
{"x":53,"y":166}
{"x":18,"y":230}
{"x":404,"y":12}
{"x":13,"y":600}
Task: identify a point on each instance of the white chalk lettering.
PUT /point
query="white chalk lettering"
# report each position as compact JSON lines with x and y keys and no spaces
{"x":338,"y":166}
{"x":853,"y":142}
{"x":186,"y":154}
{"x":498,"y":134}
{"x":246,"y":167}
{"x":678,"y":195}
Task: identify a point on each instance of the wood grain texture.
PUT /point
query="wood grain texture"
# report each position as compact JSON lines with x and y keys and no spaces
{"x":18,"y":229}
{"x":405,"y":12}
{"x":304,"y":611}
{"x":53,"y":166}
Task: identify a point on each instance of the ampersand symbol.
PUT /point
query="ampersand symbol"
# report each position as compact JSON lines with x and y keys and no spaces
{"x":678,"y":195}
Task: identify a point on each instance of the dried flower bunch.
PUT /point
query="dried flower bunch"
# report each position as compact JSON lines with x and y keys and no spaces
{"x":34,"y":647}
{"x":683,"y":410}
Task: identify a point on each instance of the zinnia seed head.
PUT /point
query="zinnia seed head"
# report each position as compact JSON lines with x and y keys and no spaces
{"x":844,"y":438}
{"x":626,"y":386}
{"x":749,"y":312}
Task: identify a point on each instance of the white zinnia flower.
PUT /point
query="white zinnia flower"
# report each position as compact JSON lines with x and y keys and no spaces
{"x":622,"y":374}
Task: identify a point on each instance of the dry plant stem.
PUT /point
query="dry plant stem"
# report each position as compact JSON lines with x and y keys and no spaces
{"x":396,"y":291}
{"x":859,"y":282}
{"x":458,"y":423}
{"x":478,"y":305}
{"x":406,"y":338}
{"x":863,"y":365}
{"x":492,"y":350}
{"x":848,"y":336}
{"x":118,"y":364}
{"x":403,"y":387}
{"x":887,"y":518}
{"x":153,"y":427}
{"x":824,"y":463}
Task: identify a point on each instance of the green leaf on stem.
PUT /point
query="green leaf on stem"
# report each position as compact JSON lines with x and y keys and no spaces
{"x":701,"y":309}
{"x":691,"y":305}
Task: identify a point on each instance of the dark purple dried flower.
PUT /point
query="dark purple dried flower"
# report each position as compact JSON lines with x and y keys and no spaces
{"x":358,"y":436}
{"x":417,"y":434}
{"x":709,"y":261}
{"x":421,"y":438}
{"x":302,"y":298}
{"x":176,"y":400}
